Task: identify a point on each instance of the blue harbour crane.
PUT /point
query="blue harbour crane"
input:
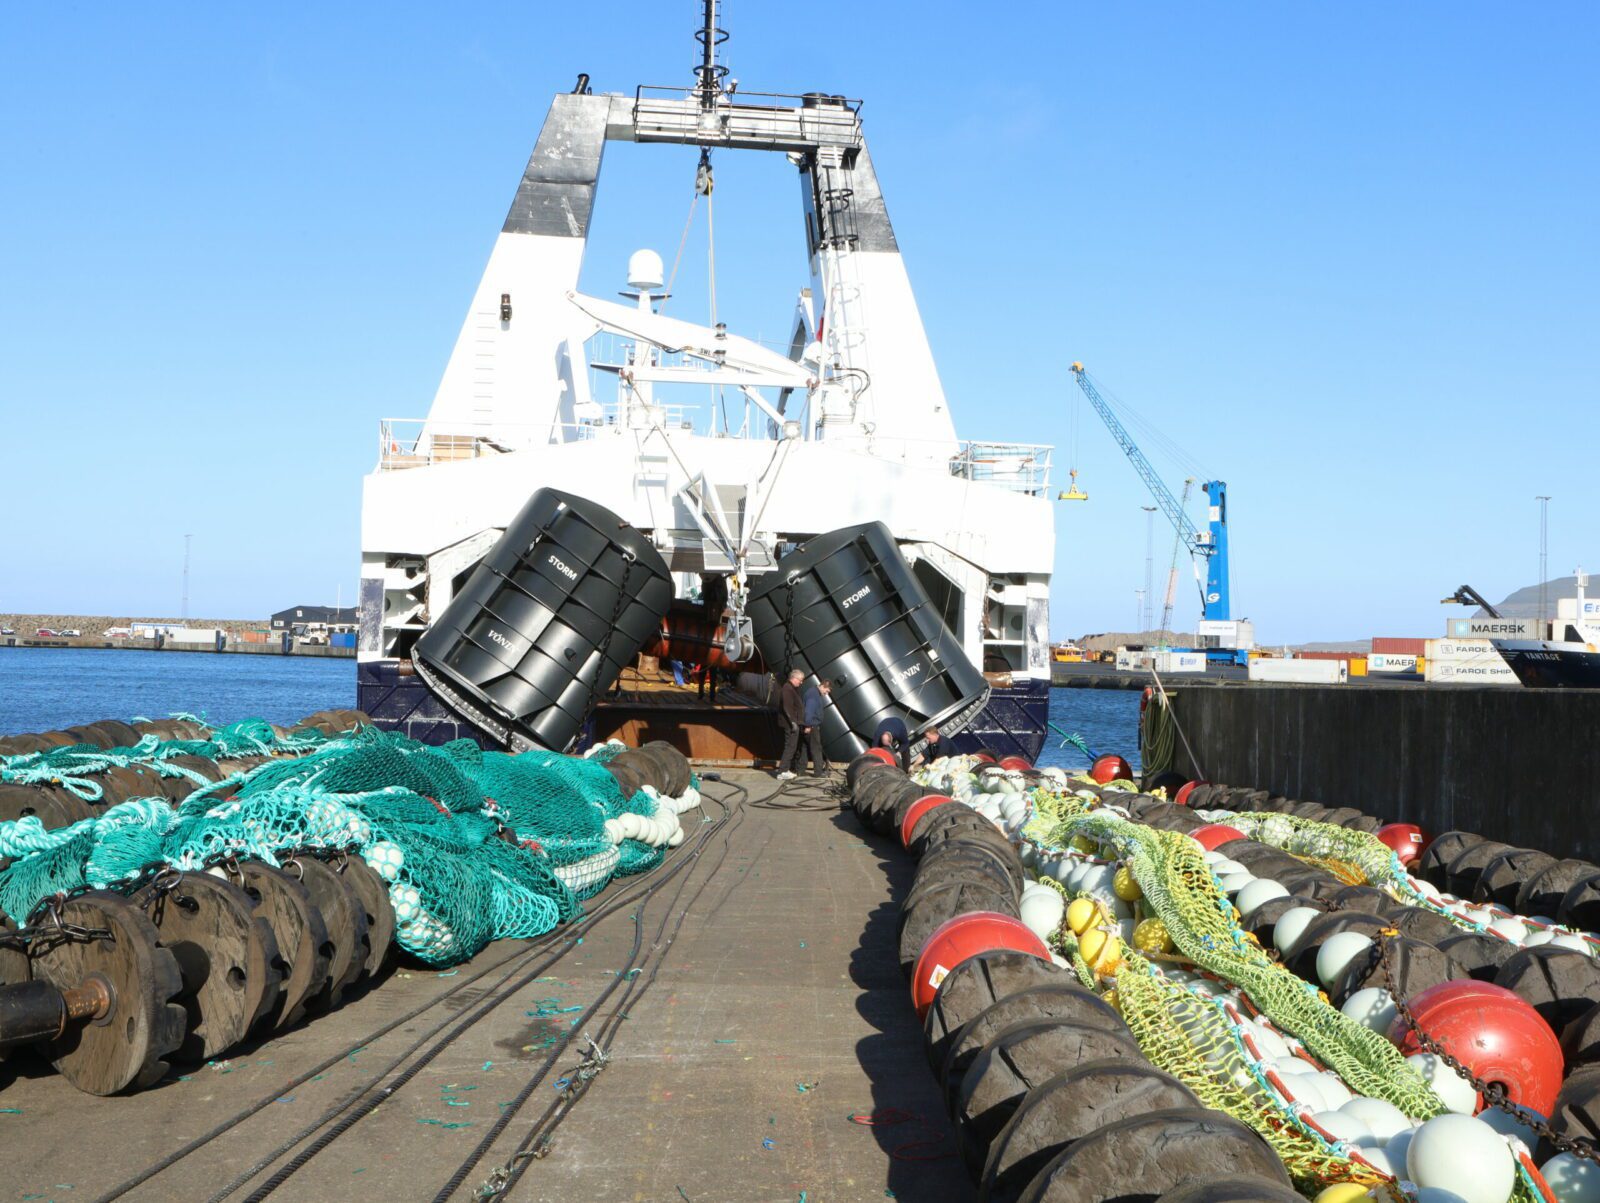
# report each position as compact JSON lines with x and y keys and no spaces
{"x":1210,"y":544}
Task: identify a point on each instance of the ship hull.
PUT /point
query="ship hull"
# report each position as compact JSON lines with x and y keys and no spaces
{"x":1545,"y":664}
{"x":1013,"y":723}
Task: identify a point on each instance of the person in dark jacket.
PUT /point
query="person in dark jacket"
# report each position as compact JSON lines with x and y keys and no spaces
{"x":791,"y":713}
{"x":892,"y":734}
{"x":814,"y":702}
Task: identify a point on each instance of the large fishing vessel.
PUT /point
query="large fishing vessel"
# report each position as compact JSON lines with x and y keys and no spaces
{"x":724,"y":453}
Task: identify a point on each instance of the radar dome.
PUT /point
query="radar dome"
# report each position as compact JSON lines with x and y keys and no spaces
{"x":644,"y":271}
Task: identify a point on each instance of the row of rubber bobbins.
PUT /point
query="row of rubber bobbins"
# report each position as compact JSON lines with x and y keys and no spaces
{"x":55,"y":805}
{"x":113,"y":987}
{"x":1051,"y":1096}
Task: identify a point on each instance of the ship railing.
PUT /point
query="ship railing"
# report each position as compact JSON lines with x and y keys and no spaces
{"x":1020,"y":467}
{"x":417,"y":442}
{"x":748,"y":120}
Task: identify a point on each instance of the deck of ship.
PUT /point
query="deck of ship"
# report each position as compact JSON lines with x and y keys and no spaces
{"x":760,"y":1044}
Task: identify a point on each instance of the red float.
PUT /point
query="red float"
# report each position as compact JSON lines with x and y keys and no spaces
{"x":1213,"y":834}
{"x":1404,"y":839}
{"x":1015,"y":764}
{"x":962,"y":937}
{"x":983,"y":758}
{"x":1494,"y":1033}
{"x":1106,"y":769}
{"x":882,"y":754}
{"x":916,"y":811}
{"x":1181,"y":798}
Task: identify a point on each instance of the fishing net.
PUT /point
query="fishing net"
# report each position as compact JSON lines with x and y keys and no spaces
{"x":1196,"y":1030}
{"x":475,"y":845}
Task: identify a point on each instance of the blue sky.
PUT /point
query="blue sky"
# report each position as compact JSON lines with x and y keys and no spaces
{"x":1344,"y":254}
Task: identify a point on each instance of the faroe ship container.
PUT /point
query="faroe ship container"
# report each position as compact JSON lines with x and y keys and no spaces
{"x":547,"y":621}
{"x":846,"y":607}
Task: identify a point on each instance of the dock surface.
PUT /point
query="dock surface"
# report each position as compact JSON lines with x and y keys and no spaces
{"x":769,"y":1052}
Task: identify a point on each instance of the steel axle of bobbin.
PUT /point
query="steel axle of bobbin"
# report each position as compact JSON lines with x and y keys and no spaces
{"x":94,"y":989}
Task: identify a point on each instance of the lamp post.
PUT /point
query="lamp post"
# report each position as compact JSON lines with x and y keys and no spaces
{"x":1544,"y":559}
{"x":1149,"y":558}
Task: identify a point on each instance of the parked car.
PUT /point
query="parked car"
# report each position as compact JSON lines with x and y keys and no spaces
{"x":44,"y":633}
{"x":73,"y":633}
{"x":6,"y":631}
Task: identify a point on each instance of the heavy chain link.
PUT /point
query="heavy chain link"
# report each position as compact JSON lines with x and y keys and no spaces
{"x":1493,"y":1093}
{"x":788,"y":628}
{"x":48,"y":928}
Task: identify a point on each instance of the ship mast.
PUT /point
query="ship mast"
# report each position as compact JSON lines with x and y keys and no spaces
{"x":710,"y":73}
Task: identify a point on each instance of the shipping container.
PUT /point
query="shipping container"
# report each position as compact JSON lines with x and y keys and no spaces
{"x":1308,"y":672}
{"x":254,"y":636}
{"x":1398,"y":646}
{"x":1358,"y":666}
{"x":1326,"y":655}
{"x":1492,"y":628}
{"x":1138,"y":661}
{"x":342,"y":639}
{"x":1180,"y":662}
{"x":1478,"y":671}
{"x":1390,"y":662}
{"x":188,"y":635}
{"x":1466,"y":660}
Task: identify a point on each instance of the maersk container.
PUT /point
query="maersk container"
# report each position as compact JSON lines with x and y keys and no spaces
{"x":1390,"y":662}
{"x":1300,"y":672}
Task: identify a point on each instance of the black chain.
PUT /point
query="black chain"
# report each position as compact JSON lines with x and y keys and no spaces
{"x":605,"y":642}
{"x":788,"y":628}
{"x":47,"y":927}
{"x":1494,"y":1093}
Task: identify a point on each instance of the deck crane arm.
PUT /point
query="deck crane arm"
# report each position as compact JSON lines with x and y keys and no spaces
{"x":1170,"y":506}
{"x":1468,"y":596}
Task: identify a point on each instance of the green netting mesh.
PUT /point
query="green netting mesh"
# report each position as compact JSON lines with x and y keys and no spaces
{"x":1193,"y":1030}
{"x":475,"y":845}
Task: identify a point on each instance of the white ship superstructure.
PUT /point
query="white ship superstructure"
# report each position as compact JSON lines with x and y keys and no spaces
{"x":722,"y":450}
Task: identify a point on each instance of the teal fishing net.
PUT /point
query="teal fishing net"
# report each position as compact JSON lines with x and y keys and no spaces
{"x":475,"y":845}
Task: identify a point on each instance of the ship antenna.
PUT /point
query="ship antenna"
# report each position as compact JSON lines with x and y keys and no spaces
{"x":709,"y":74}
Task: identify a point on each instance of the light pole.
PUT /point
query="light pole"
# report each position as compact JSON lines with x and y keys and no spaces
{"x":1544,"y":558}
{"x":185,"y":614}
{"x":1149,"y":558}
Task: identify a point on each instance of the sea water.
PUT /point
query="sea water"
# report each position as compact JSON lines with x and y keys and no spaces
{"x":1108,"y":720}
{"x":43,"y":689}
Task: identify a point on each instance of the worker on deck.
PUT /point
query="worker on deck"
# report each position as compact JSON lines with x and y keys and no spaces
{"x":892,"y":735}
{"x":791,"y":713}
{"x":931,"y":751}
{"x":813,"y":703}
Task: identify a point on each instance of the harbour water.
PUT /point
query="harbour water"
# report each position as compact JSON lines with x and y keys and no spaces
{"x":50,"y":688}
{"x":41,"y":689}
